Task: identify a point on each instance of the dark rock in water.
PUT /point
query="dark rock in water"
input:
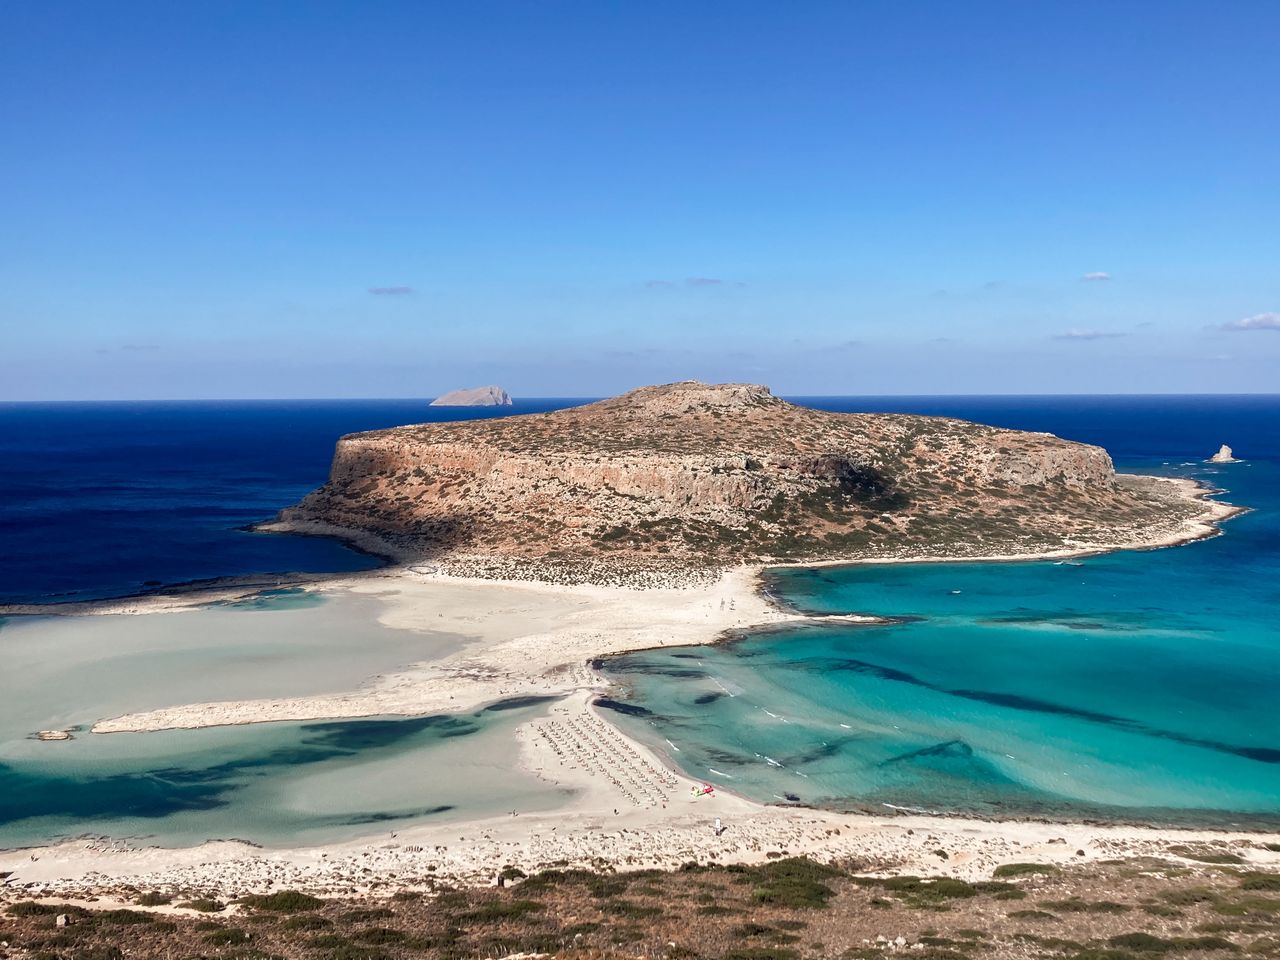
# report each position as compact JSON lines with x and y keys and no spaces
{"x":629,"y":709}
{"x":951,"y":749}
{"x":707,"y":698}
{"x":516,"y":703}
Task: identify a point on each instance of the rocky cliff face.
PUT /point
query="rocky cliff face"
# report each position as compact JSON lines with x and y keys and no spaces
{"x":710,"y":474}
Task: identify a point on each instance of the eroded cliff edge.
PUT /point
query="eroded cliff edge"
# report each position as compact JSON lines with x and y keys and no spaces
{"x":698,"y":476}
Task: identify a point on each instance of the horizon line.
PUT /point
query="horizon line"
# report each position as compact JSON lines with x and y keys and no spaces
{"x":592,"y":398}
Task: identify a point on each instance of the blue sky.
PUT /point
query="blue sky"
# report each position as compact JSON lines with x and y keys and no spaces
{"x":226,"y":199}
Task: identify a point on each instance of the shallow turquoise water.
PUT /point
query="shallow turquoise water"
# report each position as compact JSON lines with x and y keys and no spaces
{"x":64,"y":672}
{"x":274,"y":784}
{"x":1137,"y":685}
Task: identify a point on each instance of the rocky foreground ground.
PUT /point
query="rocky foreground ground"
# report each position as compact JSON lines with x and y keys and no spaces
{"x":1200,"y":901}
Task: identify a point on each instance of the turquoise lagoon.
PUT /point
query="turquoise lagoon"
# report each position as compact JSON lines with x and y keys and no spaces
{"x":276,"y":784}
{"x":1128,"y":686}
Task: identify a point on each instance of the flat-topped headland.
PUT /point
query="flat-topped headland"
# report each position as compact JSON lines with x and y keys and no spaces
{"x":688,"y":477}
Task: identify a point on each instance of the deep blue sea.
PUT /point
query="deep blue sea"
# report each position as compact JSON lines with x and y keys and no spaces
{"x":1139,"y":685}
{"x":108,"y":499}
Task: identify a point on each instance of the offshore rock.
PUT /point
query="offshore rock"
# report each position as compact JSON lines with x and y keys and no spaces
{"x":477,"y":397}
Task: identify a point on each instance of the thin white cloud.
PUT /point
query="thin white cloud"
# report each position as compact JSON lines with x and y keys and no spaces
{"x":693,"y":282}
{"x":1096,"y":276}
{"x":1078,"y":334}
{"x":1259,"y":321}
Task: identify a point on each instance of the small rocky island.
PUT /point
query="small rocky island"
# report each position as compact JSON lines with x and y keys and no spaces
{"x":1224,"y":455}
{"x":692,"y":476}
{"x":489,"y":396}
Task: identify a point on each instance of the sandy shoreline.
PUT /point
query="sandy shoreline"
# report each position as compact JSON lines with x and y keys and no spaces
{"x":529,"y":639}
{"x":629,"y":809}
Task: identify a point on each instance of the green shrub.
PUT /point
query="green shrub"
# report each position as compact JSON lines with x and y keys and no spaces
{"x":1205,"y":943}
{"x":1247,"y":905}
{"x":204,"y":905}
{"x":1023,"y":869}
{"x":1145,"y":942}
{"x":1076,"y":905}
{"x":793,"y":892}
{"x":306,"y":922}
{"x":555,"y":878}
{"x":283,"y":901}
{"x":1011,"y":895}
{"x":1187,"y":896}
{"x":1260,"y":881}
{"x":629,"y":908}
{"x":794,"y":882}
{"x":501,"y":910}
{"x":124,"y":917}
{"x":382,"y":913}
{"x":227,"y":937}
{"x":1205,"y":856}
{"x":28,"y":908}
{"x":380,"y":935}
{"x":930,"y":889}
{"x":153,"y":899}
{"x":328,"y":941}
{"x":1031,"y":915}
{"x":997,"y":887}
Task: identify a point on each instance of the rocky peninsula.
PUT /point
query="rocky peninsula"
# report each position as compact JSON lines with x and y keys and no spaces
{"x":696,"y":477}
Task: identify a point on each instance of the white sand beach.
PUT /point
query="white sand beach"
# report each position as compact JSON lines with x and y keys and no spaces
{"x":523,"y":639}
{"x":625,"y":807}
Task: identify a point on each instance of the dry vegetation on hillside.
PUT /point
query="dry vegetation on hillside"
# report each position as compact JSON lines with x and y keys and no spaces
{"x":1203,"y":904}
